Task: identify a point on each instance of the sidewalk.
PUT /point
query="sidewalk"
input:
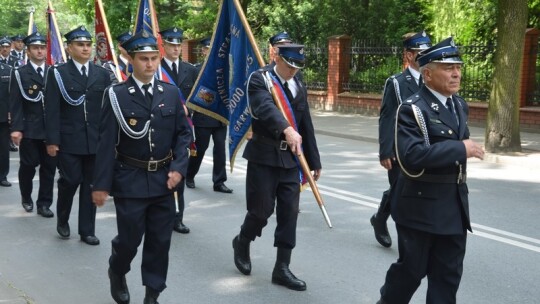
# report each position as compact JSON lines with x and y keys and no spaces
{"x":366,"y":128}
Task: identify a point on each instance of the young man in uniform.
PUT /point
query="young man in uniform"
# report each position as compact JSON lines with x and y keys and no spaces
{"x":73,"y":96}
{"x":141,"y":158}
{"x":28,"y":126}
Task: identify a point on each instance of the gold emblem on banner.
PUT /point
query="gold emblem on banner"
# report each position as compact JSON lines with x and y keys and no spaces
{"x":132,"y":121}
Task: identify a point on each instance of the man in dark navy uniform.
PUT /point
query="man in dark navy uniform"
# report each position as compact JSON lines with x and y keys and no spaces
{"x":18,"y":52}
{"x":430,"y":198}
{"x":272,"y":171}
{"x":5,"y":52}
{"x":183,"y":75}
{"x":73,"y":96}
{"x":28,"y":126}
{"x":141,"y":157}
{"x":206,"y":127}
{"x":5,"y":73}
{"x":397,"y":88}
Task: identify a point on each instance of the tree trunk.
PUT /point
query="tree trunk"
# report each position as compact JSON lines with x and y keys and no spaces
{"x":502,"y":130}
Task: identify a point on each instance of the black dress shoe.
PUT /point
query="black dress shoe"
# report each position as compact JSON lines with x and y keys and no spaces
{"x":222,"y":188}
{"x":90,"y":240}
{"x":28,"y":206}
{"x":181,"y":228}
{"x":381,"y":231}
{"x":242,"y":260}
{"x":190,"y":183}
{"x":119,"y":289}
{"x":63,"y":230}
{"x":283,"y":276}
{"x":151,"y":296}
{"x":5,"y":183}
{"x":44,"y":211}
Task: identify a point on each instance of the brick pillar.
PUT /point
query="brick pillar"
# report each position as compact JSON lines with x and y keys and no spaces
{"x":528,"y":67}
{"x":189,"y":47}
{"x":339,"y":60}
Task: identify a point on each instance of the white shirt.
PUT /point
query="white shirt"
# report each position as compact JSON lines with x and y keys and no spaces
{"x":80,"y":65}
{"x":290,"y":83}
{"x":169,"y":63}
{"x":35,"y":66}
{"x":415,"y":74}
{"x":140,"y":84}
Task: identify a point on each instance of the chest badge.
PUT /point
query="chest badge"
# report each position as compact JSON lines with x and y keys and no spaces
{"x":34,"y":87}
{"x":132,"y":122}
{"x":30,"y":91}
{"x":450,"y":132}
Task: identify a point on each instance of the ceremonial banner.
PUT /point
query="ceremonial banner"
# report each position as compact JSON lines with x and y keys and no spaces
{"x":55,"y":47}
{"x":221,"y":88}
{"x":104,"y":43}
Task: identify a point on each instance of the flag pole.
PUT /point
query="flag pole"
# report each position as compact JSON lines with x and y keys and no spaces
{"x":117,"y":71}
{"x":301,"y":158}
{"x":31,"y":20}
{"x":51,"y":11}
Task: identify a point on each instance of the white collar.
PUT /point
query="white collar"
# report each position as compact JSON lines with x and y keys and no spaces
{"x":35,"y":66}
{"x":439,"y":96}
{"x":140,"y":83}
{"x":169,"y":63}
{"x":80,"y":65}
{"x":414,"y":73}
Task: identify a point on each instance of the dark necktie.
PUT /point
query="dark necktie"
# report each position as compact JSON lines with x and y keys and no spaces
{"x":147,"y":94}
{"x":83,"y":70}
{"x":39,"y":70}
{"x":287,"y":91}
{"x":175,"y":71}
{"x":451,"y":108}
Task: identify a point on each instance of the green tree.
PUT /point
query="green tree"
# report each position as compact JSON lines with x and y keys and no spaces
{"x":502,"y":130}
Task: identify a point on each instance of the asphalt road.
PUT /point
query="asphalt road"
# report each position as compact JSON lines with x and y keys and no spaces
{"x":340,"y":265}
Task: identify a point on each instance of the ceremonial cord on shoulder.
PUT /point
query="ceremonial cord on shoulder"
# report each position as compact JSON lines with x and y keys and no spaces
{"x":396,"y":88}
{"x":122,"y":122}
{"x":247,"y":95}
{"x":423,"y":128}
{"x":38,"y":98}
{"x":64,"y":93}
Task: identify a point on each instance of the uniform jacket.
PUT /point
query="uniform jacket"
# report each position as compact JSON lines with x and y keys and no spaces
{"x":5,"y":73}
{"x":27,"y":116}
{"x":187,"y":75}
{"x":269,"y":122}
{"x":68,"y":126}
{"x":423,"y":204}
{"x":10,"y":60}
{"x":169,"y":131}
{"x":389,"y":105}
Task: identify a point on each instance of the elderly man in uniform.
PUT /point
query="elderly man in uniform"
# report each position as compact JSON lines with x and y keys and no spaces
{"x":206,"y":127}
{"x":28,"y":126}
{"x":430,"y":200}
{"x":141,"y":158}
{"x":5,"y":73}
{"x":183,"y":75}
{"x":397,"y":88}
{"x":272,"y":179}
{"x":73,"y":96}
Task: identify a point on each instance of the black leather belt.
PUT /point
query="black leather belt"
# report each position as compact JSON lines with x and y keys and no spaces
{"x":151,"y":165}
{"x":281,"y":144}
{"x":440,"y":178}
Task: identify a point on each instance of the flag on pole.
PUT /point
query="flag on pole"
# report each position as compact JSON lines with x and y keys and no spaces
{"x":55,"y":46}
{"x":221,"y":89}
{"x":104,"y":43}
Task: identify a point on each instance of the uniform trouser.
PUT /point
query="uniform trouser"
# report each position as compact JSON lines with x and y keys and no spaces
{"x":4,"y":150}
{"x":33,"y":153}
{"x":265,"y":185}
{"x":180,"y":200}
{"x":384,"y":207}
{"x":440,"y":257}
{"x":202,"y":135}
{"x":153,"y":218}
{"x":76,"y":171}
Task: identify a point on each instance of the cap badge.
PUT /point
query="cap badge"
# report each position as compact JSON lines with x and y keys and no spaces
{"x":301,"y":51}
{"x":175,"y":30}
{"x":82,"y":28}
{"x":145,"y":34}
{"x":452,"y":43}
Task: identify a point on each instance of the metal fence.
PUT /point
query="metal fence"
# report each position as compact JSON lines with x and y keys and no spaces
{"x":372,"y":62}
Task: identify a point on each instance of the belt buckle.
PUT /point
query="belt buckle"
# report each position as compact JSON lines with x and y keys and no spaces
{"x":283,"y":145}
{"x":152,"y":165}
